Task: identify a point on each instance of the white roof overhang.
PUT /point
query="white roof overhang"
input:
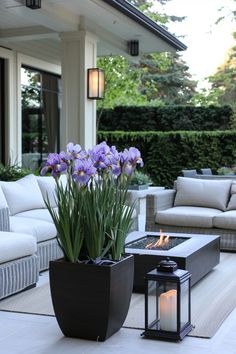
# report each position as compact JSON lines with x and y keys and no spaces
{"x":114,"y":22}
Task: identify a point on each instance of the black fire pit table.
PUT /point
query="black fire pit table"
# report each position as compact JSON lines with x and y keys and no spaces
{"x":193,"y":252}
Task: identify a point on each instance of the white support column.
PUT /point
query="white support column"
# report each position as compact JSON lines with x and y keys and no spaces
{"x":78,"y":122}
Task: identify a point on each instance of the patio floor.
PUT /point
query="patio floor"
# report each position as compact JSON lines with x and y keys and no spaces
{"x":34,"y":334}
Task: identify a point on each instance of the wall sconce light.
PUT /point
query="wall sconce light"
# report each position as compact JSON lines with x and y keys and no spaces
{"x":95,"y":84}
{"x":33,"y":4}
{"x":133,"y":48}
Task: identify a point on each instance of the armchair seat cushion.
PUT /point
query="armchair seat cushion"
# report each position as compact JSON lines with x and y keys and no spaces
{"x":16,"y":245}
{"x":40,"y":229}
{"x":226,"y":220}
{"x":187,"y":216}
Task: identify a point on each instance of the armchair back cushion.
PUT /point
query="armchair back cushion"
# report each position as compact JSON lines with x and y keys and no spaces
{"x":232,"y":201}
{"x":23,"y":194}
{"x":202,"y":193}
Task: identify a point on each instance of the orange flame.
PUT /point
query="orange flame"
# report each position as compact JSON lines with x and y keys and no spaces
{"x":163,"y":240}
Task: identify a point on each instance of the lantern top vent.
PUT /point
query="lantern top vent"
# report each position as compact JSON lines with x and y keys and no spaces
{"x":167,"y":265}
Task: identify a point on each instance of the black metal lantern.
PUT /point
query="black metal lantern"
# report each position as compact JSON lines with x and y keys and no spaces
{"x":167,"y":302}
{"x":95,"y":84}
{"x":33,"y":4}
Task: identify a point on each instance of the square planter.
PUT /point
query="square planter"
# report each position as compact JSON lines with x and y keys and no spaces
{"x":91,"y":301}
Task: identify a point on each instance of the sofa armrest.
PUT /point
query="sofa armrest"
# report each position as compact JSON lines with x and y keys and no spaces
{"x":4,"y":219}
{"x":158,"y":201}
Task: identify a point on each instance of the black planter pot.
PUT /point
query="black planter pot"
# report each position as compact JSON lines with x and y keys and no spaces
{"x":91,"y":301}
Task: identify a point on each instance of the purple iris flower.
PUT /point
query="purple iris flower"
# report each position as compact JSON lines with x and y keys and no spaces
{"x":132,"y":156}
{"x":73,"y":150}
{"x":54,"y":164}
{"x":83,"y":170}
{"x":129,"y":159}
{"x":99,"y":154}
{"x":101,"y":148}
{"x":113,"y":161}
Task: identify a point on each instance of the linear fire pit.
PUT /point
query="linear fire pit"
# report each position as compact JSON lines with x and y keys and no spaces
{"x":196,"y":253}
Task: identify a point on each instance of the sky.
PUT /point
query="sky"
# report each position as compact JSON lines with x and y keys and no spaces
{"x":207,"y":42}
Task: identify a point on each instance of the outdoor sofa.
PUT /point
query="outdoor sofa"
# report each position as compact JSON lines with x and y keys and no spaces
{"x":28,"y":235}
{"x":28,"y":214}
{"x":27,"y":231}
{"x":196,"y":206}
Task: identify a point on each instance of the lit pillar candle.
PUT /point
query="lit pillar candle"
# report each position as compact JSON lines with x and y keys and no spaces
{"x":168,"y":311}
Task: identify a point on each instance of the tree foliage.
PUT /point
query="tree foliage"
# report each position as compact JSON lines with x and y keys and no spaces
{"x":222,"y":83}
{"x":121,"y":83}
{"x":224,"y":80}
{"x":165,"y":78}
{"x":158,"y":79}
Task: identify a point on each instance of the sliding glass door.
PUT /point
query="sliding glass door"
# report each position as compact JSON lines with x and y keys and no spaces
{"x":2,"y":110}
{"x":41,"y":106}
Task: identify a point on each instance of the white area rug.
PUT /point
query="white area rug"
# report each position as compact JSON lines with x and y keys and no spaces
{"x":213,"y":298}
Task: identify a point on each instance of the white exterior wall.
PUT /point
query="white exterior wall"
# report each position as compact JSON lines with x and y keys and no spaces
{"x":78,"y":123}
{"x":13,"y":98}
{"x":78,"y":118}
{"x":11,"y":106}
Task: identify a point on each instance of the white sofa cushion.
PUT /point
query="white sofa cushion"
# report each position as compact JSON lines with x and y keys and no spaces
{"x":40,"y":214}
{"x":202,"y":193}
{"x":232,"y":201}
{"x":47,"y":186}
{"x":24,"y":194}
{"x":226,"y":220}
{"x":187,"y":216}
{"x":16,"y":245}
{"x":3,"y":202}
{"x":41,"y":230}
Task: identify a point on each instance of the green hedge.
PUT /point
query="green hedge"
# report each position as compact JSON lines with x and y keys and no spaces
{"x":165,"y":154}
{"x":168,"y":118}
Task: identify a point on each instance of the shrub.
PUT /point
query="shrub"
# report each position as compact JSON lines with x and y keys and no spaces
{"x":165,"y":154}
{"x":10,"y":172}
{"x":167,"y":118}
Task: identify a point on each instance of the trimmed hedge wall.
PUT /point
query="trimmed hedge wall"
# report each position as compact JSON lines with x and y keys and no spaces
{"x":165,"y":154}
{"x":168,"y":118}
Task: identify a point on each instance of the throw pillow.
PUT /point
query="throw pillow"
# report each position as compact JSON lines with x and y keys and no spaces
{"x":203,"y":193}
{"x":3,"y":202}
{"x":23,"y":194}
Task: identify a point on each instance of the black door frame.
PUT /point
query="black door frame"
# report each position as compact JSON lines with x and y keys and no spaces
{"x":2,"y":110}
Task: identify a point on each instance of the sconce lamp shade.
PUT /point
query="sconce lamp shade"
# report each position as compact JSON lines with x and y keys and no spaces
{"x":133,"y":48}
{"x":95,"y":84}
{"x":33,"y":4}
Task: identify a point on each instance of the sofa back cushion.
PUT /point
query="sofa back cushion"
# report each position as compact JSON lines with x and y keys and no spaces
{"x":232,"y":201}
{"x":47,"y":186}
{"x":203,"y":193}
{"x":23,"y":194}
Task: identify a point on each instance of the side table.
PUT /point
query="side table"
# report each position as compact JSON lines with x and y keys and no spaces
{"x":139,"y":197}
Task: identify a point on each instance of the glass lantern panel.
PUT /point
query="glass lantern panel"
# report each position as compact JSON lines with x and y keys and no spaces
{"x":162,"y":306}
{"x":168,"y":306}
{"x":184,"y":303}
{"x":152,"y":304}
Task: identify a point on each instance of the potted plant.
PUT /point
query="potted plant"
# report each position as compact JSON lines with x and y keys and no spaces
{"x":139,"y":180}
{"x":224,"y":171}
{"x":91,"y":286}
